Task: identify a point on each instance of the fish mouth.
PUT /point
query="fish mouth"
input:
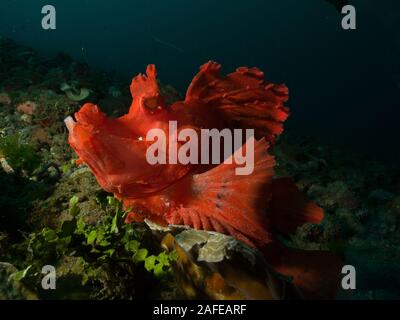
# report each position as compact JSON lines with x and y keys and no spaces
{"x":70,"y":123}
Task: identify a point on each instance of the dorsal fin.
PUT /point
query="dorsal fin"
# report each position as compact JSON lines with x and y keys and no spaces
{"x":145,"y":84}
{"x":243,"y":97}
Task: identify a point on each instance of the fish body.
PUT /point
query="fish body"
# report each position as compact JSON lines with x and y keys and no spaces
{"x":115,"y":150}
{"x":251,"y":208}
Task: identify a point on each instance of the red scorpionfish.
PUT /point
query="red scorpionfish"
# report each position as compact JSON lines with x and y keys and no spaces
{"x":252,"y":208}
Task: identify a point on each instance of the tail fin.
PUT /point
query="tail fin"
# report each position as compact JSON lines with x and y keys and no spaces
{"x":228,"y":203}
{"x":315,"y":273}
{"x":289,"y":208}
{"x":243,"y":98}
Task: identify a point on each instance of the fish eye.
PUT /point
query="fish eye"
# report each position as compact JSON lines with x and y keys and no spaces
{"x":151,"y":103}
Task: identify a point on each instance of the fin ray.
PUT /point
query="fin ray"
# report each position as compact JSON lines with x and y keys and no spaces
{"x":243,"y":97}
{"x":224,"y":201}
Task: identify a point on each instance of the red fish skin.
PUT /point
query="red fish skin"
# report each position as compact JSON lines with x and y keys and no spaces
{"x":204,"y":197}
{"x":117,"y":157}
{"x":216,"y":200}
{"x":114,"y":148}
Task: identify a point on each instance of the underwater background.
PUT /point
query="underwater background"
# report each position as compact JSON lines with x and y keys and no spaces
{"x":344,"y":85}
{"x":340,"y":145}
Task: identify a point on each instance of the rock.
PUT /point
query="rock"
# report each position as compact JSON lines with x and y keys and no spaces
{"x":210,"y":265}
{"x":6,"y":167}
{"x":54,"y":210}
{"x":213,"y":246}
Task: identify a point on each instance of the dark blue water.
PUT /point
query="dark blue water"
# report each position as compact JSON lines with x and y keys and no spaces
{"x":345,"y":85}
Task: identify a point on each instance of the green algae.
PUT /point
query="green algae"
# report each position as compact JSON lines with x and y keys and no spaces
{"x":19,"y":155}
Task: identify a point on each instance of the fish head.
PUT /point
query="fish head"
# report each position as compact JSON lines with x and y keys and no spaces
{"x":116,"y":149}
